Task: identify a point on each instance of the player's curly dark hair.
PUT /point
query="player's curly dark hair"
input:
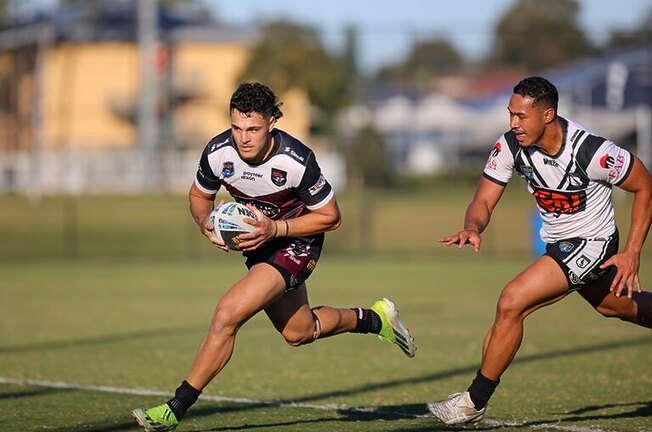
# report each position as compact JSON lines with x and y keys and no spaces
{"x":254,"y":97}
{"x":540,"y":90}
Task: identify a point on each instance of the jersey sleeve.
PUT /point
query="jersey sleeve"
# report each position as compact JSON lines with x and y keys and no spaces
{"x":314,"y":190}
{"x":205,"y":178}
{"x":611,"y":164}
{"x":500,"y":165}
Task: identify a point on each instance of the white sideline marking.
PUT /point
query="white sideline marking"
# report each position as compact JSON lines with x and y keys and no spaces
{"x":276,"y":403}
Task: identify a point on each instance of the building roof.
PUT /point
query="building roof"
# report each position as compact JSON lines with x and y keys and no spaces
{"x":598,"y":82}
{"x":118,"y":21}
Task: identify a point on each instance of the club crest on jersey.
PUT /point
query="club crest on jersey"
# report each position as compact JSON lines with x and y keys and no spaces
{"x":227,"y":169}
{"x":527,"y":171}
{"x":582,"y":261}
{"x":279,"y":177}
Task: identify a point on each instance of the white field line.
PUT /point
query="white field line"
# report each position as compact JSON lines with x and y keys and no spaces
{"x":275,"y":403}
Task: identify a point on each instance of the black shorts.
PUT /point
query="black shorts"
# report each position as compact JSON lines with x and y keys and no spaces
{"x":295,"y":257}
{"x":580,"y":259}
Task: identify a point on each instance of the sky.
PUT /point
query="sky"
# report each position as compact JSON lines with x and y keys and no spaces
{"x":388,"y":28}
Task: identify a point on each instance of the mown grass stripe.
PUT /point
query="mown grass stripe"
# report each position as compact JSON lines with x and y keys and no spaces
{"x":275,"y":403}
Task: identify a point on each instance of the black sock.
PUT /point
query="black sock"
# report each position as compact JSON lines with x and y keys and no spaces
{"x":481,"y":390}
{"x":368,"y":321}
{"x":184,"y":397}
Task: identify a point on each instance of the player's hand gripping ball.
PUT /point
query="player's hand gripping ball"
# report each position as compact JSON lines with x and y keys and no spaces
{"x":228,"y":222}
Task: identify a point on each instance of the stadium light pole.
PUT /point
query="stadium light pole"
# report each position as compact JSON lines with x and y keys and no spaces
{"x":148,"y":126}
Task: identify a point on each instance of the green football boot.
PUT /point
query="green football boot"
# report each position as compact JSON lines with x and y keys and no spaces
{"x":157,"y":419}
{"x":392,"y":329}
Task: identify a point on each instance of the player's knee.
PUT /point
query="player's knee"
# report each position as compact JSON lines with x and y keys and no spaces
{"x":297,"y":337}
{"x":226,"y":319}
{"x":509,"y":304}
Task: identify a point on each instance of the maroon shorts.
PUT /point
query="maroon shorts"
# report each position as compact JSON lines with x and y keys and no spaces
{"x":295,"y":257}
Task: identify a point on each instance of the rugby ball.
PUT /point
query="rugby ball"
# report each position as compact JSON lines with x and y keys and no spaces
{"x":228,"y":222}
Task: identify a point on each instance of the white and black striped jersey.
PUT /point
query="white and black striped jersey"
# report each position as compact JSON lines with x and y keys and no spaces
{"x":286,"y":185}
{"x":572,"y":189}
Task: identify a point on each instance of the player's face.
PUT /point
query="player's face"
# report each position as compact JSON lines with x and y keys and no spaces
{"x":252,"y":133}
{"x":526,"y":121}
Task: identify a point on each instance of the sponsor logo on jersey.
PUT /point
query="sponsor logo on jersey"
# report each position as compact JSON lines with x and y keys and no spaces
{"x":607,"y":161}
{"x":574,"y":278}
{"x":294,"y":154}
{"x":566,"y":246}
{"x":582,"y":261}
{"x":560,"y":202}
{"x":616,"y":167}
{"x":550,"y":162}
{"x":279,"y":177}
{"x":496,"y":150}
{"x":200,"y":172}
{"x":269,"y":209}
{"x":227,"y":169}
{"x":321,"y":182}
{"x":250,"y":175}
{"x":491,"y":162}
{"x":217,"y":145}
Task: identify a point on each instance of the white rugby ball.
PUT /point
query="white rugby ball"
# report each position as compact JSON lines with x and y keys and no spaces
{"x":228,"y":222}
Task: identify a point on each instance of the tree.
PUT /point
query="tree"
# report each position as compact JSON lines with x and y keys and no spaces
{"x":425,"y":63}
{"x":539,"y":35}
{"x":368,"y":160}
{"x":4,"y":13}
{"x":289,"y":55}
{"x":635,"y":37}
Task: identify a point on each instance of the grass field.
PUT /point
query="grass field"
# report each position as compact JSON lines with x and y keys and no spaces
{"x":103,"y":307}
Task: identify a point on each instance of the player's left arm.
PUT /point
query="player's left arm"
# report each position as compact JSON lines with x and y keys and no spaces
{"x":325,"y":218}
{"x":627,"y":261}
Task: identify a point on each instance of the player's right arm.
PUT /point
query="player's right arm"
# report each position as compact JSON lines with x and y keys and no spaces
{"x":477,"y":216}
{"x":201,"y":206}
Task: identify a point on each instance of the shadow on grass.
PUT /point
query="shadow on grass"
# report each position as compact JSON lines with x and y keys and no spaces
{"x":37,"y":391}
{"x":639,"y":409}
{"x":472,"y":369}
{"x":392,"y":413}
{"x":63,"y":344}
{"x":338,"y":419}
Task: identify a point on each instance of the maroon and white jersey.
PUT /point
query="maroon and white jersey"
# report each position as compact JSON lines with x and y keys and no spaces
{"x":286,"y":185}
{"x":572,"y":189}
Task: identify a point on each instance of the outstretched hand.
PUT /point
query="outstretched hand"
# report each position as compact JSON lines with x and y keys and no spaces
{"x":627,"y":265}
{"x":463,"y":237}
